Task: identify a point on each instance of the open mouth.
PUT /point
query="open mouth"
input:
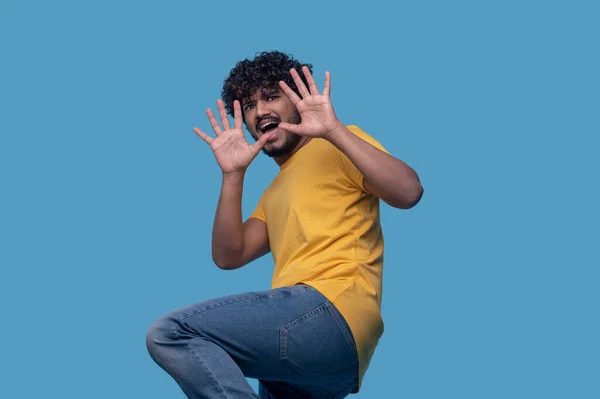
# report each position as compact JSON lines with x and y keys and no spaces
{"x":268,"y":126}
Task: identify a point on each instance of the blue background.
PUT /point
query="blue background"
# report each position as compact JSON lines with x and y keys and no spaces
{"x":107,"y":196}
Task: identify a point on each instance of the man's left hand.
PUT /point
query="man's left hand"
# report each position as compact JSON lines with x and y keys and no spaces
{"x":316,"y":111}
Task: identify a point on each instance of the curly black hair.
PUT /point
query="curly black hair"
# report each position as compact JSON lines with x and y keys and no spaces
{"x":263,"y":72}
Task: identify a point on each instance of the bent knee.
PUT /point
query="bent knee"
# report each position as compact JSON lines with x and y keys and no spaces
{"x":160,"y":333}
{"x":169,"y":331}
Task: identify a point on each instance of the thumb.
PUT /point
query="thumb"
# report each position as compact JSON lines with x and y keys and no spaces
{"x":290,"y":127}
{"x":261,"y":142}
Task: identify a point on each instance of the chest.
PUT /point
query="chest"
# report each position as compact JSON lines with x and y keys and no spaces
{"x":315,"y":189}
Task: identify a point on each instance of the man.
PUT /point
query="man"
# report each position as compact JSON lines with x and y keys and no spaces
{"x":313,"y":334}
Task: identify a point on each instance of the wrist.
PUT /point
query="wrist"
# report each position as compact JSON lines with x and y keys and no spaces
{"x":335,"y":134}
{"x":235,"y":177}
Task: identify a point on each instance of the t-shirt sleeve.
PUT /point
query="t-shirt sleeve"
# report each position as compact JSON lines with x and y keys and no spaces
{"x":259,"y":212}
{"x":350,"y":170}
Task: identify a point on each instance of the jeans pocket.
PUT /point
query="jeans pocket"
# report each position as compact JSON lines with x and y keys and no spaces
{"x":318,"y":342}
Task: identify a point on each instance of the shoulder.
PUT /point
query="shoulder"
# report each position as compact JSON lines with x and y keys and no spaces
{"x":366,"y":137}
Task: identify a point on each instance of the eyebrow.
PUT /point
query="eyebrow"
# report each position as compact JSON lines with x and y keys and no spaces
{"x":263,"y":93}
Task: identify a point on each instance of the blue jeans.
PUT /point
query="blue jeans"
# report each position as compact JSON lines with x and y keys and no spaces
{"x":291,"y":339}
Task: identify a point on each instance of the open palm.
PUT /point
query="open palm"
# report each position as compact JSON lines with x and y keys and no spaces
{"x":230,"y":147}
{"x":315,"y":109}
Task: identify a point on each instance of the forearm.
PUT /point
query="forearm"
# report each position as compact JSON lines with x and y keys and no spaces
{"x":386,"y":177}
{"x":228,"y":232}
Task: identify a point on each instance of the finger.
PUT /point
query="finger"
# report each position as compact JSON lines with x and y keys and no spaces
{"x":327,"y":88}
{"x":290,"y":93}
{"x":299,"y":83}
{"x":260,"y":143}
{"x":213,"y":122}
{"x":223,"y":114}
{"x":203,"y":136}
{"x":237,"y":114}
{"x":312,"y":85}
{"x":290,"y":127}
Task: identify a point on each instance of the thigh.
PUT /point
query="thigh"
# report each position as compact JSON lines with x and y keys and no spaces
{"x":287,"y":334}
{"x":319,"y":347}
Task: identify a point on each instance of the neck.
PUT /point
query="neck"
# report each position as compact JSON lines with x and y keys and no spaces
{"x":280,"y":160}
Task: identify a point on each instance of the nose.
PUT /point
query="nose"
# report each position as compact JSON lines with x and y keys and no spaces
{"x":262,"y":109}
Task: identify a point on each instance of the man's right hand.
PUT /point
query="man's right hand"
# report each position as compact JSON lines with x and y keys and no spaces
{"x":230,"y":147}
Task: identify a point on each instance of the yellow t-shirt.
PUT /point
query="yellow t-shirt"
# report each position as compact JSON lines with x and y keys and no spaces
{"x":324,"y":231}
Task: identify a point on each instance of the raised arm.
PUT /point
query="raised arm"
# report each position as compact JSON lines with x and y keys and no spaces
{"x":387,"y":177}
{"x":234,"y":243}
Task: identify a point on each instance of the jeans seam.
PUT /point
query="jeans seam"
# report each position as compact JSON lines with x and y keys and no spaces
{"x":342,"y":324}
{"x":306,"y":315}
{"x":249,"y":298}
{"x":215,"y":306}
{"x":258,"y":297}
{"x":284,"y":330}
{"x":352,"y":384}
{"x":201,"y":361}
{"x":283,"y":345}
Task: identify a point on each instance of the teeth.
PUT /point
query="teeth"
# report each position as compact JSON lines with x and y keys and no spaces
{"x":268,"y":124}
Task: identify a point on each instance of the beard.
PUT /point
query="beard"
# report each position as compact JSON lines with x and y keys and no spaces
{"x":290,"y":142}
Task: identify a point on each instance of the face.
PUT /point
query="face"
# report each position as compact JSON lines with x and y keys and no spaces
{"x":263,"y":112}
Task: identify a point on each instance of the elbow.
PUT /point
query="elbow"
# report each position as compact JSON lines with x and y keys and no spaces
{"x":416,"y":196}
{"x":227,"y":255}
{"x":224,"y":263}
{"x":409,"y":199}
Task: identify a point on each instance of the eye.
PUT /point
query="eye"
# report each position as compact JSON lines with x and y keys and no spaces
{"x":248,"y":106}
{"x":273,"y":97}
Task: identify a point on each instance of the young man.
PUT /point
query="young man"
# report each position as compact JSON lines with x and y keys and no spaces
{"x":313,"y":334}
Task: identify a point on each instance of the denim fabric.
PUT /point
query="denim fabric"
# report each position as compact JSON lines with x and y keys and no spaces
{"x":292,"y":339}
